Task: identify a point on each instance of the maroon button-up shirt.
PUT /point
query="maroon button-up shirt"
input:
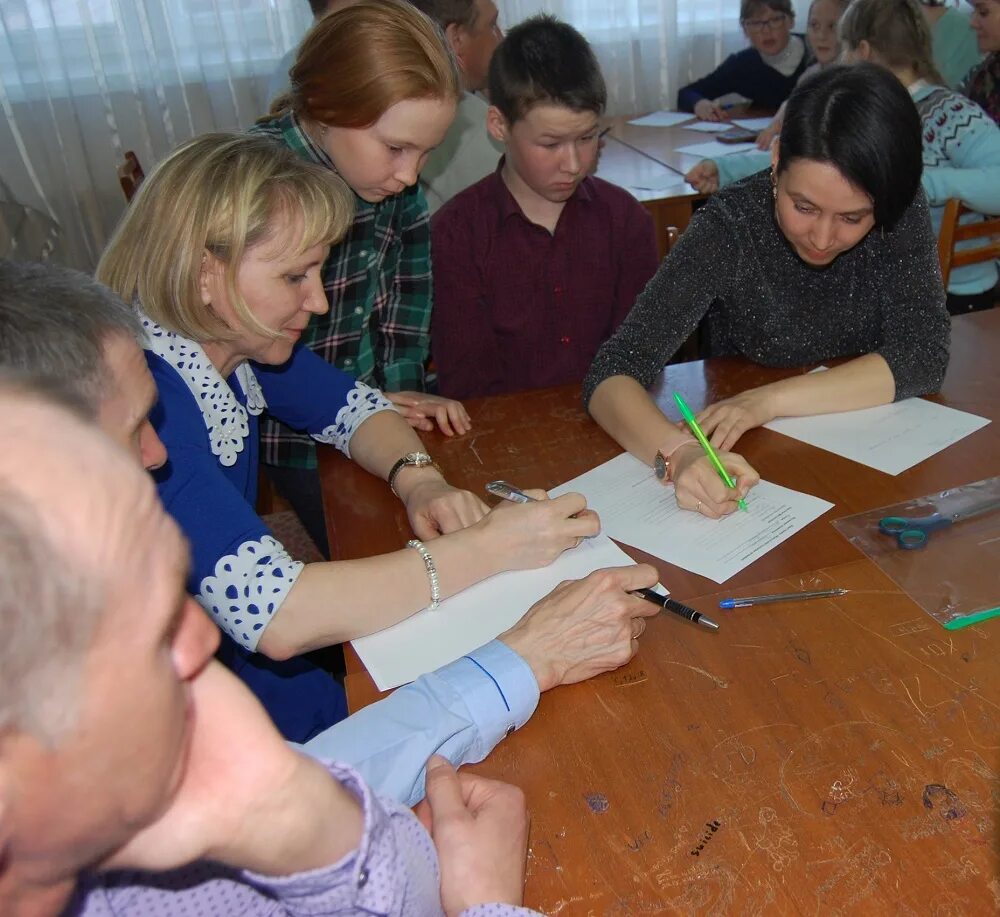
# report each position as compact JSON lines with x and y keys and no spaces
{"x":517,"y":307}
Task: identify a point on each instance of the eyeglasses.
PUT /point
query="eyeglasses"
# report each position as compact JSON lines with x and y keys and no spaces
{"x":764,"y":25}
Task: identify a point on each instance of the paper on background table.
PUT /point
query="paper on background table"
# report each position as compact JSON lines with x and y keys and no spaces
{"x":662,"y":119}
{"x":636,"y":508}
{"x":430,"y":639}
{"x":711,"y":149}
{"x":889,"y":438}
{"x":662,"y":182}
{"x":753,"y":124}
{"x":709,"y":127}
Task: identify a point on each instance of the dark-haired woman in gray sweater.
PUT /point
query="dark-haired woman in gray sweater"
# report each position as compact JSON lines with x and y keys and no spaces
{"x":830,"y":254}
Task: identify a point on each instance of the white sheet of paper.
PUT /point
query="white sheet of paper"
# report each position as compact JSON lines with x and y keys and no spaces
{"x":753,"y":124}
{"x":662,"y":119}
{"x":890,"y":438}
{"x":430,"y":639}
{"x":670,"y":180}
{"x":709,"y":127}
{"x":712,"y":149}
{"x":635,"y":508}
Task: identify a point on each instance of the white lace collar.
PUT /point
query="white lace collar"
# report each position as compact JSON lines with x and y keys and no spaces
{"x":225,"y":418}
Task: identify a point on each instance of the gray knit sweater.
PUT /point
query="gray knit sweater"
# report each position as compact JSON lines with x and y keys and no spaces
{"x":734,"y":265}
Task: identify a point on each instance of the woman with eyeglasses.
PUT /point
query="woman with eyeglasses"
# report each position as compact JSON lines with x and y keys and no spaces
{"x":765,"y":73}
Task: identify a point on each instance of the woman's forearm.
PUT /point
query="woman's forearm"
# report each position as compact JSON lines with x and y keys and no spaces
{"x":337,"y":601}
{"x":860,"y":383}
{"x":624,"y":409}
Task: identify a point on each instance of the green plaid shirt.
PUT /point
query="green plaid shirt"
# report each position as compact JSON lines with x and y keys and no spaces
{"x":378,"y":282}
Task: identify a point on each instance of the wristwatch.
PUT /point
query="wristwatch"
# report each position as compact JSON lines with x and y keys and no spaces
{"x":661,"y":466}
{"x":416,"y":459}
{"x":662,"y":463}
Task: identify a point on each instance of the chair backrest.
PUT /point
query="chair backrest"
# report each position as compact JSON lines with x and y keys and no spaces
{"x":130,"y":175}
{"x":953,"y":232}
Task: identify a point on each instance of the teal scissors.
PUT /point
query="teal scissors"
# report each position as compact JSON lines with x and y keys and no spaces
{"x":911,"y":534}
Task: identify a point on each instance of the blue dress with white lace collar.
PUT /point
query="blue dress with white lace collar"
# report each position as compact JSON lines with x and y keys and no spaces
{"x":239,"y":573}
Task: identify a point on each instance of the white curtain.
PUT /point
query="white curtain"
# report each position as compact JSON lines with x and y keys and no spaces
{"x":82,"y":81}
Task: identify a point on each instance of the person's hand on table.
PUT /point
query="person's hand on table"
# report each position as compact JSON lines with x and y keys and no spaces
{"x":422,"y":410}
{"x":584,"y":627}
{"x":699,"y":487}
{"x":707,"y":110}
{"x":480,"y":830}
{"x":704,"y":177}
{"x":434,"y":507}
{"x":726,"y":421}
{"x":525,"y":536}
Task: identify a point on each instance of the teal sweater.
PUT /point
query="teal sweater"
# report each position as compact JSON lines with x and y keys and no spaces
{"x":954,"y":46}
{"x":961,"y":159}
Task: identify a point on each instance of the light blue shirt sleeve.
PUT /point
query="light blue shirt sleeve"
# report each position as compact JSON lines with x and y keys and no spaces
{"x":739,"y":165}
{"x":461,"y":711}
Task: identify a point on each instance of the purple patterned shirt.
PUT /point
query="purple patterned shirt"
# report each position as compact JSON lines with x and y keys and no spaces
{"x":394,"y":871}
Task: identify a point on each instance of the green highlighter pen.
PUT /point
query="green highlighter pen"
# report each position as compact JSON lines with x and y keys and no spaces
{"x":707,"y":446}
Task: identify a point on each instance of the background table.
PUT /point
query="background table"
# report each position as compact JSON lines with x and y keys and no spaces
{"x":833,"y":756}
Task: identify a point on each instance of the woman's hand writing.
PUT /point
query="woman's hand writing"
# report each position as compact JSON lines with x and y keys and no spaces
{"x":698,"y":485}
{"x":525,"y":536}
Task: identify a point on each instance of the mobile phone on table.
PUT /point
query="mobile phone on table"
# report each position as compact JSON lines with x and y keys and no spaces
{"x":736,"y":135}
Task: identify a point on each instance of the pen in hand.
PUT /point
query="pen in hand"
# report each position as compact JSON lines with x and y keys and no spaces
{"x":707,"y":446}
{"x":678,"y":608}
{"x":516,"y":495}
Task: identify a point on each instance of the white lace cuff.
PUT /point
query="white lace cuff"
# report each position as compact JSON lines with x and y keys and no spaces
{"x":248,"y":587}
{"x":362,"y":402}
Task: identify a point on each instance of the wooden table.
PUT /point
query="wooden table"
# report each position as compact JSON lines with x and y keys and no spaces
{"x":835,"y":756}
{"x":674,"y":200}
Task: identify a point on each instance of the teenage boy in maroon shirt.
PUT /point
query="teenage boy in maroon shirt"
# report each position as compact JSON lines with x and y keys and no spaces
{"x":538,"y":263}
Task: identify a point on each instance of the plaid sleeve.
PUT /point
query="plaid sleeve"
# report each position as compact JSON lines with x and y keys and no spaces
{"x":404,"y":341}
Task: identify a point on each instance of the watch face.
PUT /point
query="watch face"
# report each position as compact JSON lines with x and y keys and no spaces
{"x":660,"y":466}
{"x":417,"y":458}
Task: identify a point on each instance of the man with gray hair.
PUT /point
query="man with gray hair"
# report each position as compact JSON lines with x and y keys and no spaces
{"x":467,"y":153}
{"x":462,"y":710}
{"x":59,"y":324}
{"x":137,"y":775}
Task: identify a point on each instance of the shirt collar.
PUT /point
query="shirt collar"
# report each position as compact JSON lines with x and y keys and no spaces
{"x":507,"y":205}
{"x":226,"y":419}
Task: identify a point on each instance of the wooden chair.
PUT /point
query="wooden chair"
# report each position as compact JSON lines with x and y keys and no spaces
{"x":953,"y":232}
{"x":130,"y":175}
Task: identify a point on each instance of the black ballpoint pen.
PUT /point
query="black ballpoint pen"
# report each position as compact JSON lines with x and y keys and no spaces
{"x":678,"y":608}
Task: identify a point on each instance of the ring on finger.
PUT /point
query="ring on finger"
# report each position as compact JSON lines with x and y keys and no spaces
{"x":642,"y":627}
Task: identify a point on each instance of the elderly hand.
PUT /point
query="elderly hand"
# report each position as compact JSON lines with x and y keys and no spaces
{"x":421,"y":410}
{"x":435,"y":508}
{"x":480,"y":829}
{"x":244,"y":797}
{"x":726,"y":421}
{"x":707,"y":110}
{"x":704,"y":177}
{"x":525,"y":536}
{"x":698,"y":486}
{"x":585,"y":627}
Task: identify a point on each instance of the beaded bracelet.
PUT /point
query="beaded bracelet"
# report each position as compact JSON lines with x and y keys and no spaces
{"x":432,"y":573}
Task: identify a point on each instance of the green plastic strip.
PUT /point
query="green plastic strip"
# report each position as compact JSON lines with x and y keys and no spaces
{"x":972,"y":619}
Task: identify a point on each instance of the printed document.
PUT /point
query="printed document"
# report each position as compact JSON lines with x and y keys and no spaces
{"x":637,"y":509}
